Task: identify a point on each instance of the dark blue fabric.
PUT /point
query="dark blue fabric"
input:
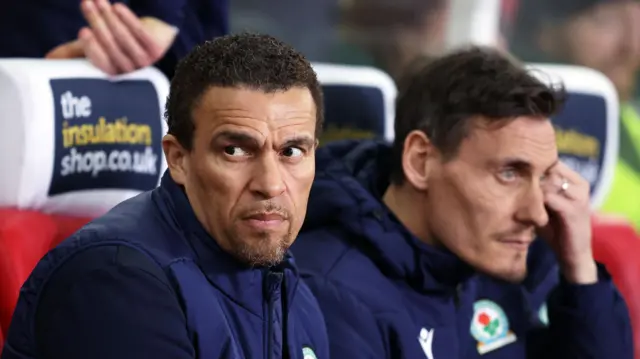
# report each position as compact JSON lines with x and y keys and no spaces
{"x":387,"y":295}
{"x":147,"y":281}
{"x":354,"y":108}
{"x":31,"y":28}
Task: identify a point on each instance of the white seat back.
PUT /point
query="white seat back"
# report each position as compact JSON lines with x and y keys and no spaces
{"x":74,"y":141}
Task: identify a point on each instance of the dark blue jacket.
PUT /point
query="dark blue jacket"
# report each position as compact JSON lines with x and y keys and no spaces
{"x":385,"y":294}
{"x":147,"y":281}
{"x":31,"y":28}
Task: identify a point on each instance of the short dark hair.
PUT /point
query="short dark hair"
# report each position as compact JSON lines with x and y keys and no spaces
{"x":441,"y":97}
{"x":255,"y":61}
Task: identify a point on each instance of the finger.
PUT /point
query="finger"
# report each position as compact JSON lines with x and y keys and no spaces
{"x":115,"y":51}
{"x":125,"y":39}
{"x":133,"y":23}
{"x":580,"y":188}
{"x":69,"y":50}
{"x":559,"y":203}
{"x":95,"y":53}
{"x":93,"y":12}
{"x":566,"y":172}
{"x":553,"y":185}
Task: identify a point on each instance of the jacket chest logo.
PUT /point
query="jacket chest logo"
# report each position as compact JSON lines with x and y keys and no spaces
{"x":490,"y":326}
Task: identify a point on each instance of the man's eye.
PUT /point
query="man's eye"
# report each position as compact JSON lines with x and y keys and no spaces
{"x":508,"y":174}
{"x":292,"y":152}
{"x":235,"y":151}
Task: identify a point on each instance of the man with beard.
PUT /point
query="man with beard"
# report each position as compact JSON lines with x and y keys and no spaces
{"x":428,"y":245}
{"x":197,"y":268}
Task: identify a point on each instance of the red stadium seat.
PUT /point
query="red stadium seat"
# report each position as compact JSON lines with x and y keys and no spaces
{"x":617,"y":246}
{"x":25,"y":237}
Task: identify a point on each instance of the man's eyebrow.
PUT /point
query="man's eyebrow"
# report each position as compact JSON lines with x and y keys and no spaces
{"x":300,"y":141}
{"x":517,"y":163}
{"x":236,"y":137}
{"x":522,"y":164}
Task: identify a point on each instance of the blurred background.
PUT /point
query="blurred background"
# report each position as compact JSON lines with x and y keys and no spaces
{"x":389,"y":34}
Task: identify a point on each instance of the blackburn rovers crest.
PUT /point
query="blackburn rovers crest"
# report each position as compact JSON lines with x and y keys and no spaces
{"x":490,"y":326}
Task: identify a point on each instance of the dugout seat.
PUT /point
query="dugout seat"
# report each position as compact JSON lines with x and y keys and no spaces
{"x":75,"y":144}
{"x":359,"y":102}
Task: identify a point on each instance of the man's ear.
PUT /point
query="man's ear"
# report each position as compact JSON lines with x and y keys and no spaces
{"x":417,"y":159}
{"x":176,"y":157}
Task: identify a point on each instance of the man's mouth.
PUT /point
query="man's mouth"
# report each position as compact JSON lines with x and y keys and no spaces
{"x":266,"y":220}
{"x":518,"y":243}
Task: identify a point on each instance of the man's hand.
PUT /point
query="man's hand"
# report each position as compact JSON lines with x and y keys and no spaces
{"x":569,"y":228}
{"x":117,"y":41}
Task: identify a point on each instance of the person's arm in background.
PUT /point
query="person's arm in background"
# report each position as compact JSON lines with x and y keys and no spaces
{"x":118,"y":40}
{"x":170,"y":12}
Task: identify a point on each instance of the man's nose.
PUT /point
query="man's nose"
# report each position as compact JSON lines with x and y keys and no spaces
{"x":267,"y":179}
{"x":532,"y":209}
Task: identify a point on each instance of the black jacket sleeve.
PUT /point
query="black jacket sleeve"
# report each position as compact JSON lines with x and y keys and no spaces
{"x":110,"y":302}
{"x":589,"y":321}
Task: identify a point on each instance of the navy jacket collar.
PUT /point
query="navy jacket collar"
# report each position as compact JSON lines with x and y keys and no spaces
{"x":425,"y":267}
{"x":245,"y":284}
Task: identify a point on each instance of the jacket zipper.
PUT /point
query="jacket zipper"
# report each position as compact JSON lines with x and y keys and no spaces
{"x":274,"y":280}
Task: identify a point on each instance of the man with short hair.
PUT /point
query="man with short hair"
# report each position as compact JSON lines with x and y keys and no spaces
{"x":428,"y":246}
{"x":197,"y":268}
